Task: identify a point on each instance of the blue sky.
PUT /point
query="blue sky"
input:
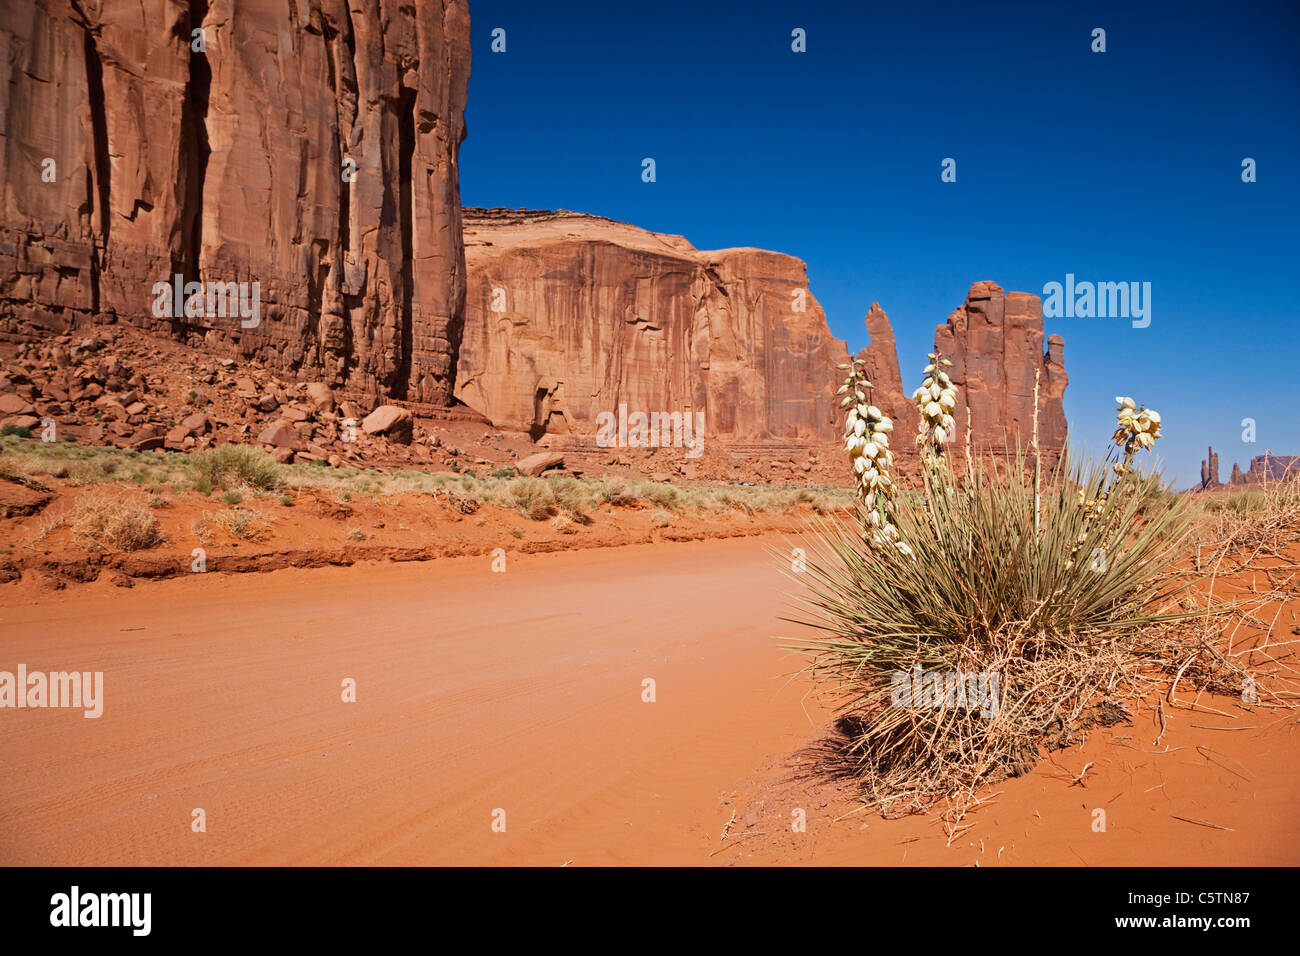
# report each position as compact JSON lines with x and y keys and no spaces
{"x":1115,"y":166}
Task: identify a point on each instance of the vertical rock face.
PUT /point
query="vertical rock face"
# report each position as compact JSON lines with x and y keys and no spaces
{"x":881,"y":355}
{"x":214,"y":139}
{"x":1210,"y":469}
{"x":571,"y":315}
{"x":995,"y":342}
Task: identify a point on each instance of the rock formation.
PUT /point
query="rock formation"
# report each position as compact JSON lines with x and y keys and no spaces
{"x":995,"y":342}
{"x":570,"y":315}
{"x":301,"y":161}
{"x":1267,"y":467}
{"x":1210,"y":469}
{"x":881,"y":355}
{"x":216,"y":140}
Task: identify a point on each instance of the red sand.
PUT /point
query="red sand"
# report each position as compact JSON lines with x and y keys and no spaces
{"x":522,"y":691}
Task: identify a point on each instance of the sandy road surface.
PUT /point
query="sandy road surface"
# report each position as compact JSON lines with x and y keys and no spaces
{"x":475,"y":691}
{"x":523,"y":691}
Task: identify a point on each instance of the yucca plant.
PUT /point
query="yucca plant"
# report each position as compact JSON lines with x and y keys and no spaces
{"x":1044,"y":586}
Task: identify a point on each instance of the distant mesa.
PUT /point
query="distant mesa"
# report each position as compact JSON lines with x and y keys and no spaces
{"x":1262,"y":468}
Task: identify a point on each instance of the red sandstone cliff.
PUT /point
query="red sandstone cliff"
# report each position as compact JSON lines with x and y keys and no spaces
{"x":594,"y":313}
{"x":569,"y":315}
{"x":883,"y":371}
{"x":227,"y":165}
{"x":995,"y":342}
{"x":129,"y":155}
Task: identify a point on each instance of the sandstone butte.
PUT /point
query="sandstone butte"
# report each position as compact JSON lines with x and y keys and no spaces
{"x":568,"y":315}
{"x":128,"y":157}
{"x":1260,"y":470}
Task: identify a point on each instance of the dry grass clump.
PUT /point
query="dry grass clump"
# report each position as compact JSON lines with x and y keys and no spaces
{"x":572,"y":497}
{"x":243,"y":524}
{"x":532,"y":497}
{"x":109,"y":522}
{"x":457,"y":501}
{"x":617,"y":492}
{"x":239,"y":465}
{"x":668,"y":497}
{"x":240,"y":523}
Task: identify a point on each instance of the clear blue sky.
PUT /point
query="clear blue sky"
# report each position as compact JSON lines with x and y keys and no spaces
{"x":1115,"y":166}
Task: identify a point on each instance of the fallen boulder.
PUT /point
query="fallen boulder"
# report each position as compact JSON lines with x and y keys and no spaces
{"x":540,"y":462}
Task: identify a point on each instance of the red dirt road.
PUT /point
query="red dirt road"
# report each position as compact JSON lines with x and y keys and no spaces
{"x":523,"y":691}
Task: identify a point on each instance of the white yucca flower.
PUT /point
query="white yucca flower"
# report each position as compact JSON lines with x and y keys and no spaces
{"x":866,"y":439}
{"x":935,"y":400}
{"x":1137,"y":427}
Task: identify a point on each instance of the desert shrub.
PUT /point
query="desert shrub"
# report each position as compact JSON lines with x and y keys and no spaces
{"x":1241,"y":526}
{"x":532,"y":497}
{"x":618,"y":492}
{"x":232,"y":497}
{"x":1053,"y":592}
{"x":20,"y":431}
{"x":241,"y":465}
{"x":204,"y":529}
{"x":571,"y":497}
{"x":243,"y":523}
{"x":107,"y":522}
{"x":460,"y":502}
{"x":661,"y":495}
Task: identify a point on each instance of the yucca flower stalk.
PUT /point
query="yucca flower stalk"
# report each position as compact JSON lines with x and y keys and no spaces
{"x":935,"y":399}
{"x":866,"y":439}
{"x":1137,"y":428}
{"x":985,"y":582}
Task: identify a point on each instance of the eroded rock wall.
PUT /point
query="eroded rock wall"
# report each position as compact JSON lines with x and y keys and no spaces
{"x":227,"y":164}
{"x":995,"y":342}
{"x":570,"y":315}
